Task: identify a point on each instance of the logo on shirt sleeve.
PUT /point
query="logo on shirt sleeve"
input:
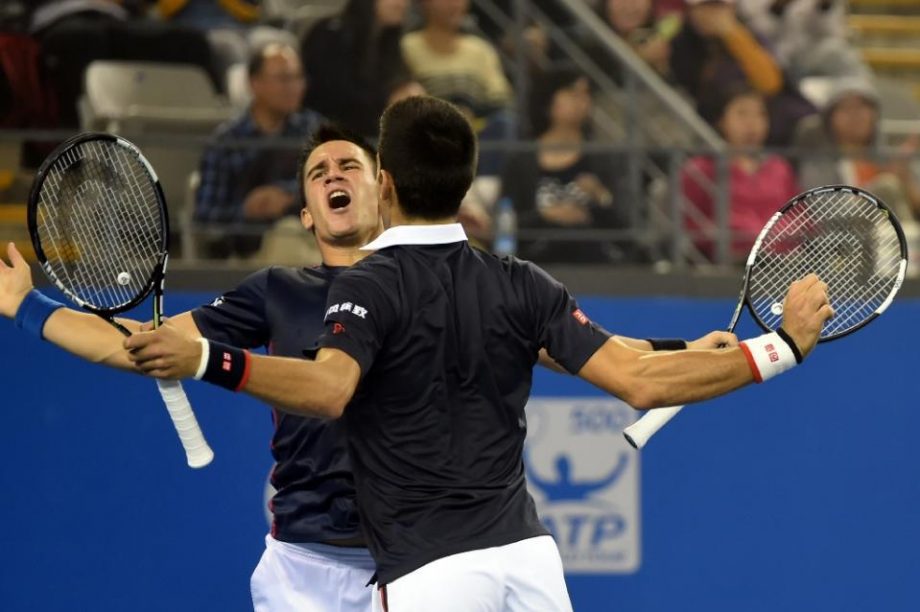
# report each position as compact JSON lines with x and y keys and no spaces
{"x":358,"y":311}
{"x":338,"y":328}
{"x":580,"y":316}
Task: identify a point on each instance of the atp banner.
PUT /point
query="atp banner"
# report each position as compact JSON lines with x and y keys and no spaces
{"x":584,"y":478}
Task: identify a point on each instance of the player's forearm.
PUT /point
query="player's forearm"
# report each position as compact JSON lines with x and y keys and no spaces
{"x":684,"y":377}
{"x":655,"y":379}
{"x":89,"y":337}
{"x":635,"y":343}
{"x":320,"y":388}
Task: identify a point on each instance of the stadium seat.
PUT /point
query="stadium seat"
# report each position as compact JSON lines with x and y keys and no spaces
{"x":150,"y":93}
{"x":169,"y":110}
{"x":238,"y":86}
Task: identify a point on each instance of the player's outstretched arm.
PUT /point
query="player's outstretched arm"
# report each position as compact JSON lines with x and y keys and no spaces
{"x":712,"y":340}
{"x":319,"y":388}
{"x":83,"y":334}
{"x":655,"y":379}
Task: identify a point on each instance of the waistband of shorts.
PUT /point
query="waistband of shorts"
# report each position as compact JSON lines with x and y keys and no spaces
{"x":350,"y":556}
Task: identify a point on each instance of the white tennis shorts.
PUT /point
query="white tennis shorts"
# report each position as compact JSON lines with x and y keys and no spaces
{"x":312,"y":578}
{"x":525,"y":576}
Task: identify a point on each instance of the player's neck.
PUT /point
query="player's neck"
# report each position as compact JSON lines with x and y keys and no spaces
{"x":398,"y":217}
{"x":341,"y":257}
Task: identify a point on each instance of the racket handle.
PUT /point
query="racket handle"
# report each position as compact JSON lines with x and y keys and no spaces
{"x":197,"y":451}
{"x":639,"y":432}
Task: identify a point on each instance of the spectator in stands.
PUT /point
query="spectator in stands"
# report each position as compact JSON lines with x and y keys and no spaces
{"x":354,"y":62}
{"x":464,"y":69}
{"x":758,"y":184}
{"x":647,"y":31}
{"x":843,"y":142}
{"x":808,"y":37}
{"x":560,"y":186}
{"x":247,"y":189}
{"x":715,"y":49}
{"x":210,"y":14}
{"x":232,"y":26}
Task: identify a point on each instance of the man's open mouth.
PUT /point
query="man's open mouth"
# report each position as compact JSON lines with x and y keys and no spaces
{"x":339,"y":199}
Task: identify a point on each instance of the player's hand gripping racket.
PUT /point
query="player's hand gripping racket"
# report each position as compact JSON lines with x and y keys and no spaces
{"x":846,"y":236}
{"x":98,"y":222}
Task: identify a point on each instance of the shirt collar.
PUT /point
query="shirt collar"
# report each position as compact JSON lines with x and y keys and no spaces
{"x":417,"y":234}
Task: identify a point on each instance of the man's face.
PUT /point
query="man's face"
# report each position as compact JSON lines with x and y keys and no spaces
{"x":341,"y":191}
{"x":280,"y":85}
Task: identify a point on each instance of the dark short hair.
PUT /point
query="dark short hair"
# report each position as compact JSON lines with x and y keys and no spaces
{"x":429,"y":148}
{"x":713,"y":104}
{"x":328,"y":132}
{"x":258,"y":56}
{"x":545,"y":88}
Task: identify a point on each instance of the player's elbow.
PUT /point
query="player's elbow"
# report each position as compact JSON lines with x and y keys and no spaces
{"x":335,"y":408}
{"x":333,"y":402}
{"x":641,"y":396}
{"x":640,"y":390}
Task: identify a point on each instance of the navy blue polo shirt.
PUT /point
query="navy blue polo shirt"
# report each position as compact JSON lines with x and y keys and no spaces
{"x":282,"y":309}
{"x":446,"y":337}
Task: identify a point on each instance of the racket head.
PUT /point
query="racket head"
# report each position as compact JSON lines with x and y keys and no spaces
{"x":98,"y":223}
{"x":845,"y":235}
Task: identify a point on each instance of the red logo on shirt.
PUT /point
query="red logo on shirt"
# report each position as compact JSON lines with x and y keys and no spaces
{"x":338,"y":328}
{"x":580,"y":317}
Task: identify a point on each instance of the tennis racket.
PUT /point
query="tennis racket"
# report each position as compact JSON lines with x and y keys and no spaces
{"x":846,"y":236}
{"x":98,"y":222}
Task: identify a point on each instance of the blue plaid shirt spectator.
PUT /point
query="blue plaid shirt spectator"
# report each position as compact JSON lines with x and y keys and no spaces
{"x":228,"y":172}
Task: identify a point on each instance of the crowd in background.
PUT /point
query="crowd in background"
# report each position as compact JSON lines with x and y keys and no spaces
{"x":748,"y":67}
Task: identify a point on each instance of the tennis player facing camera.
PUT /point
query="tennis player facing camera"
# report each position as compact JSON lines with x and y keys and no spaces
{"x":315,"y":557}
{"x":430,"y":345}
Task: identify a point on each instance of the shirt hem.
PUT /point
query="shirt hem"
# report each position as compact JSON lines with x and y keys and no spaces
{"x":384,"y":577}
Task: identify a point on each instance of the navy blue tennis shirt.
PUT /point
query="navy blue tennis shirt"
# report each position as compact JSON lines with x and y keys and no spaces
{"x":446,"y":337}
{"x":282,"y":309}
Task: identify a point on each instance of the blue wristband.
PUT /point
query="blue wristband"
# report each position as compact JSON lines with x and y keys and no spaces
{"x":34,"y":311}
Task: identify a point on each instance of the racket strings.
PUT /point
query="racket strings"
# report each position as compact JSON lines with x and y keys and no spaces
{"x":99,"y":223}
{"x":844,"y":238}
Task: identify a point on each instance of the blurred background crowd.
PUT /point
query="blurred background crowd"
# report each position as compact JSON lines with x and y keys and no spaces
{"x":658,"y":133}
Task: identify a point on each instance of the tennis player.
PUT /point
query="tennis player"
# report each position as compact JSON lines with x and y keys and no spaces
{"x":315,"y":557}
{"x":430,"y":344}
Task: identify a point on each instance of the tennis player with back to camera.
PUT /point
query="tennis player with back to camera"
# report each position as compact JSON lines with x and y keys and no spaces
{"x":315,"y":530}
{"x":430,"y":345}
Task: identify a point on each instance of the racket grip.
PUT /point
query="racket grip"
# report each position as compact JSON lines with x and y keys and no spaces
{"x":639,"y":432}
{"x":197,"y":451}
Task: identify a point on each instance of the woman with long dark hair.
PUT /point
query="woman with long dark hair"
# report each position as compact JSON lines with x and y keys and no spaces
{"x":354,"y":63}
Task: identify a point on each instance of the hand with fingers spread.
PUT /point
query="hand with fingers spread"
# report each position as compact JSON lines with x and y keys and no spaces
{"x":805,"y":311}
{"x":714,"y":340}
{"x":15,"y":281}
{"x":166,"y":352}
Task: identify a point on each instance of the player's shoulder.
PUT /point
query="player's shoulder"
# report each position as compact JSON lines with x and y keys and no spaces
{"x":377,"y":274}
{"x":378,"y":262}
{"x":288,"y":277}
{"x":527,"y":276}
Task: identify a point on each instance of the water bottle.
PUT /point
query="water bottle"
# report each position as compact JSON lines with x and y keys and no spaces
{"x":505,"y":228}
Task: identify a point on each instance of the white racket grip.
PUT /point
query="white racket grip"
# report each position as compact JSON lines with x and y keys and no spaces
{"x":197,"y":451}
{"x":639,"y":432}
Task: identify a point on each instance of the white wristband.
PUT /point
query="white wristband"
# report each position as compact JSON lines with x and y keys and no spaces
{"x":768,"y":355}
{"x":205,"y":356}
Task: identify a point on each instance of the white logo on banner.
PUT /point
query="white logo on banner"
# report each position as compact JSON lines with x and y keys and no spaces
{"x":584,"y":478}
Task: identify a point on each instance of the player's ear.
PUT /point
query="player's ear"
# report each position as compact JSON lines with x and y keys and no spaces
{"x":385,"y":185}
{"x":306,"y":218}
